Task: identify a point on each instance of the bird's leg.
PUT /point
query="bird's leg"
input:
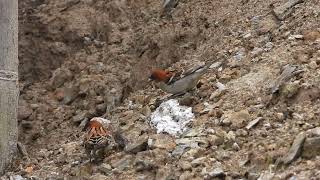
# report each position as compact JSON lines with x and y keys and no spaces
{"x":88,"y":152}
{"x":94,"y":155}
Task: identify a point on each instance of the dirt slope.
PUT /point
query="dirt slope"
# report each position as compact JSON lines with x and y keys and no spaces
{"x":85,"y":58}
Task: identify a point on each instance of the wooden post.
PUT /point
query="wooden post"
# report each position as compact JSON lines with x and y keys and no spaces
{"x":9,"y":91}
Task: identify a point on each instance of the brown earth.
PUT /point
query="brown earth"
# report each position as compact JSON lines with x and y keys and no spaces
{"x":85,"y":58}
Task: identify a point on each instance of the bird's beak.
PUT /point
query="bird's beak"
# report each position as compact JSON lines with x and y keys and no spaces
{"x":150,"y":79}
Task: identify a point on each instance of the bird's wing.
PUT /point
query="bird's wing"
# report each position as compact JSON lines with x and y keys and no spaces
{"x":192,"y":70}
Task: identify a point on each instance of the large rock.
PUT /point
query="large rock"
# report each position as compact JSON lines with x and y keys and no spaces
{"x":311,"y":148}
{"x":123,"y":164}
{"x":295,"y":150}
{"x":284,"y":10}
{"x":70,"y":94}
{"x":140,"y":145}
{"x":24,"y":112}
{"x":59,"y":77}
{"x":266,"y":25}
{"x":162,"y":141}
{"x":239,"y":119}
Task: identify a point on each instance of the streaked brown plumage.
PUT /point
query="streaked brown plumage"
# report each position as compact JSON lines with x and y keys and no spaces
{"x":96,"y":139}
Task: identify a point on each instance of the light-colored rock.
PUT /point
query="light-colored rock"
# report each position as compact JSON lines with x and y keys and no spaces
{"x":295,"y":150}
{"x":215,"y":140}
{"x":162,"y":141}
{"x":70,"y":94}
{"x":314,"y":132}
{"x":239,"y":119}
{"x":198,"y":161}
{"x":217,"y":172}
{"x":144,"y":165}
{"x":24,"y":112}
{"x":59,"y":77}
{"x":187,"y":175}
{"x":185,"y":165}
{"x":71,"y":147}
{"x":146,"y":111}
{"x":284,"y":10}
{"x":104,"y":168}
{"x":16,"y":177}
{"x":266,"y":25}
{"x":123,"y":164}
{"x":311,"y":35}
{"x":141,"y":144}
{"x":253,"y":123}
{"x":84,"y":171}
{"x":98,"y":177}
{"x":241,"y":133}
{"x":266,"y":176}
{"x":164,"y":173}
{"x":80,"y":116}
{"x":311,"y":147}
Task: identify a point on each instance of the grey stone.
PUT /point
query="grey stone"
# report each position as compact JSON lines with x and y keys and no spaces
{"x":287,"y":73}
{"x":186,"y":176}
{"x":241,"y":133}
{"x":253,"y":123}
{"x":144,"y":165}
{"x":193,"y":132}
{"x":80,"y":116}
{"x":59,"y":77}
{"x":217,"y":172}
{"x":283,"y":11}
{"x":311,"y":147}
{"x":70,"y":94}
{"x":266,"y":25}
{"x":180,"y":150}
{"x":124,"y":163}
{"x":314,"y":131}
{"x":106,"y":169}
{"x":16,"y":177}
{"x":140,"y":145}
{"x":239,"y":119}
{"x":266,"y":176}
{"x":215,"y":140}
{"x":98,"y":177}
{"x":24,"y":112}
{"x":146,"y":111}
{"x":193,"y":142}
{"x":165,"y":173}
{"x":198,"y":161}
{"x":185,"y":165}
{"x":295,"y":150}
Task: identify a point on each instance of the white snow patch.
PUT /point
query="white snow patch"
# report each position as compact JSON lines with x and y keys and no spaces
{"x":171,"y":118}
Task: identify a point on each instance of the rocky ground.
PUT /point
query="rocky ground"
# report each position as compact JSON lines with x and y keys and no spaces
{"x":257,"y":111}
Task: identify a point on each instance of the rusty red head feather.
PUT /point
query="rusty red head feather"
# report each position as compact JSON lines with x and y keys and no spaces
{"x":160,"y":75}
{"x":95,"y":128}
{"x":94,"y":124}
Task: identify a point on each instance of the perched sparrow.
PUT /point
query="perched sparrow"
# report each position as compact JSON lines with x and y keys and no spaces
{"x":97,"y":137}
{"x":178,"y":84}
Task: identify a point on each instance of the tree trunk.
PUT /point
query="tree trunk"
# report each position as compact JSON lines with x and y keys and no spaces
{"x":9,"y":91}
